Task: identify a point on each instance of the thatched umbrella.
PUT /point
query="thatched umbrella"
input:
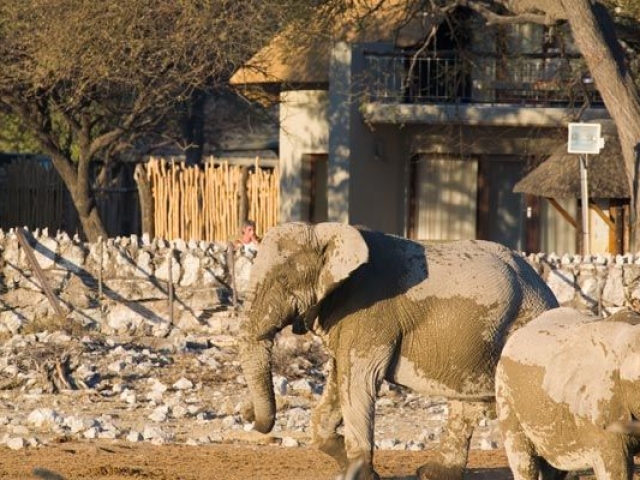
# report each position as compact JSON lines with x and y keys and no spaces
{"x":559,"y":175}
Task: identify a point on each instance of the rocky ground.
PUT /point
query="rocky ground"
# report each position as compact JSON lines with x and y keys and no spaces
{"x":77,"y":404}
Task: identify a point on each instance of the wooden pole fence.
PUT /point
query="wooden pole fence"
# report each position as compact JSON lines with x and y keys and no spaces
{"x":206,"y":202}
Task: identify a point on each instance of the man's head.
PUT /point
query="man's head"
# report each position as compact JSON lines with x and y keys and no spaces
{"x":248,"y":230}
{"x":248,"y":225}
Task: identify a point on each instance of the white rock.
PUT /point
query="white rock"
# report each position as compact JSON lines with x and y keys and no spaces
{"x":160,"y":414}
{"x":488,"y":444}
{"x":108,"y":434}
{"x":157,"y":386}
{"x":280,"y":385}
{"x":76,"y":424}
{"x":229,"y":422}
{"x":43,"y":416}
{"x":290,"y":442}
{"x":128,"y":396}
{"x":91,"y":433}
{"x":179,"y":411}
{"x":183,"y":384}
{"x":16,"y":443}
{"x":117,"y":366}
{"x":151,"y":432}
{"x":387,"y":443}
{"x":134,"y":436}
{"x":11,"y":321}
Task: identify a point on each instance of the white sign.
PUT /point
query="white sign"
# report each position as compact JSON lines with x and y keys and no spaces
{"x":585,"y":138}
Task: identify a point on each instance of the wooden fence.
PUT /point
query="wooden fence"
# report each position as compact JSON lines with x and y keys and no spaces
{"x":33,"y":195}
{"x":209,"y":202}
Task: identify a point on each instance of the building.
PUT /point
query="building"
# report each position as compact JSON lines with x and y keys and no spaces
{"x":421,"y":126}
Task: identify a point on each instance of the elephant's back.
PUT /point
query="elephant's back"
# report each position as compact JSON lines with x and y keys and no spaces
{"x":566,"y":358}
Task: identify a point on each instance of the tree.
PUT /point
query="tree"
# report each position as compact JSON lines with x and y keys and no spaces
{"x":95,"y":80}
{"x":595,"y":35}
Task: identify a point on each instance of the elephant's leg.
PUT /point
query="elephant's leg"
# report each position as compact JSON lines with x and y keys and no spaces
{"x":327,"y":417}
{"x":523,"y":463}
{"x":360,"y":373}
{"x":613,"y":463}
{"x":549,"y":472}
{"x":451,"y":458}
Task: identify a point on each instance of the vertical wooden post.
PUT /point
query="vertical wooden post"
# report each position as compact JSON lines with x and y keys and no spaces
{"x":170,"y":286}
{"x":46,"y":288}
{"x":231,"y":261}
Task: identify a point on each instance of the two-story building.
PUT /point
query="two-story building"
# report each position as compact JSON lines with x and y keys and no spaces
{"x":421,"y":126}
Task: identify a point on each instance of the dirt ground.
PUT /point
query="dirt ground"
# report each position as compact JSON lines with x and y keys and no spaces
{"x":109,"y":460}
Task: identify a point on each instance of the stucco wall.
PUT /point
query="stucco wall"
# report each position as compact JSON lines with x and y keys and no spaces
{"x":122,"y":285}
{"x":304,"y":129}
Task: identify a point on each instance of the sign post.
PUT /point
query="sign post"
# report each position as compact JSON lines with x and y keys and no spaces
{"x":584,"y":138}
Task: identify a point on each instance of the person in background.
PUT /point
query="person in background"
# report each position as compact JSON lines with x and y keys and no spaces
{"x":248,"y":240}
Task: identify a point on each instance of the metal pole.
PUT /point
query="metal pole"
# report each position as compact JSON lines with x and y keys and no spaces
{"x":584,"y":191}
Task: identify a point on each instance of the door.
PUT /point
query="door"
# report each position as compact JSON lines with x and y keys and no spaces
{"x":443,"y":198}
{"x":501,"y":212}
{"x":314,"y":187}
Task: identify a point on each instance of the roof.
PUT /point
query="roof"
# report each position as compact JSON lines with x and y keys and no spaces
{"x":304,"y":59}
{"x":559,"y":175}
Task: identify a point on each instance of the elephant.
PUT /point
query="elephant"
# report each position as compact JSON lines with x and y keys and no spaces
{"x":568,"y":394}
{"x":433,"y":318}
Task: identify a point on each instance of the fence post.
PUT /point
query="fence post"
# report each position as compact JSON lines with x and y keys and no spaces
{"x":231,"y":262}
{"x":171,"y":293}
{"x":101,"y":278}
{"x":31,"y":258}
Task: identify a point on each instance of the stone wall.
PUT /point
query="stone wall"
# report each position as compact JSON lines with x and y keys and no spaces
{"x":137,"y":285}
{"x":123,"y":285}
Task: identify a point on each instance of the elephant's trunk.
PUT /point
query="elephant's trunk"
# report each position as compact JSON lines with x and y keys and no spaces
{"x":255,"y":357}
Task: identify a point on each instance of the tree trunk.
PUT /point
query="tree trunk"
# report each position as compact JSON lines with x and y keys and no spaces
{"x":592,"y":29}
{"x":193,"y":128}
{"x":146,"y":201}
{"x":90,"y":219}
{"x":81,"y":195}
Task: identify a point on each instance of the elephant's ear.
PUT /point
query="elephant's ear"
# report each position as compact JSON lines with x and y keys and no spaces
{"x":344,"y":250}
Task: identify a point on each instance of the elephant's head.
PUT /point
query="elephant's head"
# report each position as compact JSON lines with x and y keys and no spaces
{"x":297,"y":266}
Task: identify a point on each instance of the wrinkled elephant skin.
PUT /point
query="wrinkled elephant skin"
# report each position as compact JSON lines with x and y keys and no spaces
{"x":567,"y":388}
{"x":432,"y":318}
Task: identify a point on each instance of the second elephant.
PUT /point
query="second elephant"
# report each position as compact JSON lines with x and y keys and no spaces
{"x":568,"y":395}
{"x":433,"y":318}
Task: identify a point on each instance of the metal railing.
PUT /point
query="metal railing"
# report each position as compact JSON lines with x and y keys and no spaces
{"x":534,"y":80}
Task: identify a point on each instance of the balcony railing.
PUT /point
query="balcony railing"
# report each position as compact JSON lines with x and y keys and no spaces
{"x":533,"y":80}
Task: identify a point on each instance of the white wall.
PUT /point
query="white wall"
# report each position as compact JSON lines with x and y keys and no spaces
{"x":304,"y":129}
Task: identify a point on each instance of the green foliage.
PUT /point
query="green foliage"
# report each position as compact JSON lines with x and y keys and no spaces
{"x":14,"y":137}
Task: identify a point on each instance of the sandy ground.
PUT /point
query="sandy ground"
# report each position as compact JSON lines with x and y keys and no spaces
{"x":109,"y":460}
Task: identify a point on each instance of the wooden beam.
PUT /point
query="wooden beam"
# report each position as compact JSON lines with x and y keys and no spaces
{"x":566,"y":215}
{"x":606,"y":218}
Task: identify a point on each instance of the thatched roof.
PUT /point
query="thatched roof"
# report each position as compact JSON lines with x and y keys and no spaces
{"x":304,"y":59}
{"x":559,"y":175}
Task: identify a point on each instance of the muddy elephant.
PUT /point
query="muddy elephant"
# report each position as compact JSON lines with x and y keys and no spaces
{"x":432,"y":318}
{"x":568,"y":394}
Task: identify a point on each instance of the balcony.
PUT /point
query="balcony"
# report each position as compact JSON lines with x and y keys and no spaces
{"x":531,"y":80}
{"x":422,"y":89}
